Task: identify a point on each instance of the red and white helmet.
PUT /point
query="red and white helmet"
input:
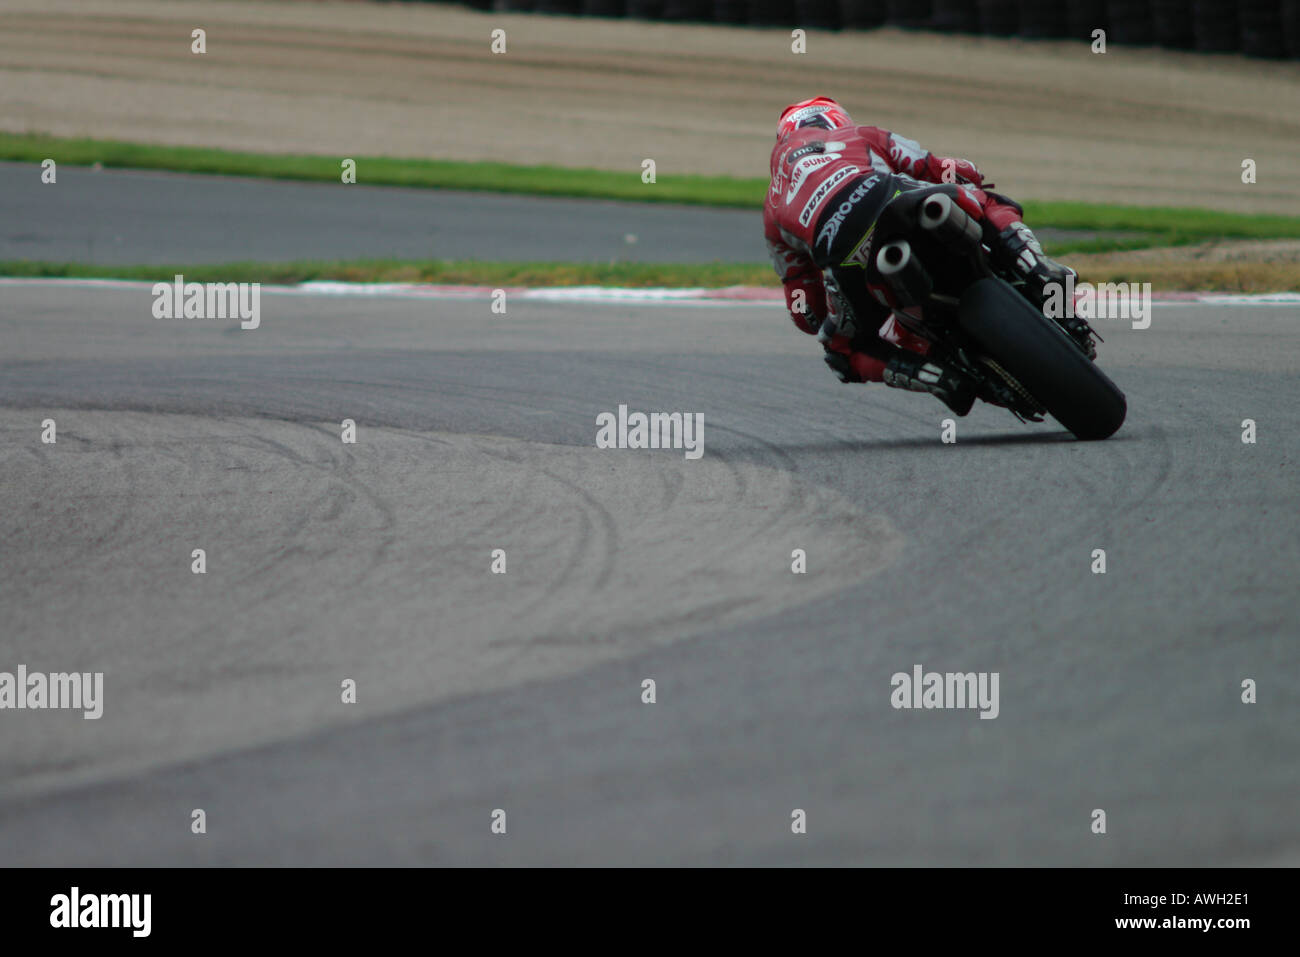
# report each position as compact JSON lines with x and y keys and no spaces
{"x":819,"y":111}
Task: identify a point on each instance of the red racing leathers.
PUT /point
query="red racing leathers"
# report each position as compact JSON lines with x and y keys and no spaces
{"x":813,"y":165}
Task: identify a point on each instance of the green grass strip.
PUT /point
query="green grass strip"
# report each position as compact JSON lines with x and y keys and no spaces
{"x":1166,"y":224}
{"x":467,"y":272}
{"x":384,"y":171}
{"x":1226,"y":277}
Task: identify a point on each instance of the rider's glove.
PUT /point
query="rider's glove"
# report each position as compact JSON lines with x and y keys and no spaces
{"x":837,"y":352}
{"x":838,"y":363}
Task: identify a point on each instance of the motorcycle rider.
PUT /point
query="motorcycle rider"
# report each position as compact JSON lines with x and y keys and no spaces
{"x":830,"y":181}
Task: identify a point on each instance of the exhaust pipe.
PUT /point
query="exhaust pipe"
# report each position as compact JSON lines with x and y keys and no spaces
{"x":951,"y":224}
{"x":904,"y":273}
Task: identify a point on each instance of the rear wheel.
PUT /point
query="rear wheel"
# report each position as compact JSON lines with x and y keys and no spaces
{"x":1042,"y":358}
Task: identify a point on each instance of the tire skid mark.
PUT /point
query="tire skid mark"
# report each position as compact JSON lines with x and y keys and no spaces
{"x":622,"y":551}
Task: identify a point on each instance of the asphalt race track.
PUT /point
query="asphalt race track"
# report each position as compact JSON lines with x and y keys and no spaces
{"x":523,"y":692}
{"x":129,"y":217}
{"x":125,"y":217}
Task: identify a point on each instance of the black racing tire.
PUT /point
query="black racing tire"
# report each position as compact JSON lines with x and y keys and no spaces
{"x":1042,"y":358}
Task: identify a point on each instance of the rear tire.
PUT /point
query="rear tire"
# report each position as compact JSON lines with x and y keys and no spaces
{"x":1042,"y":358}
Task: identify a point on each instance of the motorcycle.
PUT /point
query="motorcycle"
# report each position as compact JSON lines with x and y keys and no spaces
{"x":928,"y":262}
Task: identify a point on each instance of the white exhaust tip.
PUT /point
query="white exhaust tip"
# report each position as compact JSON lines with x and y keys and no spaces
{"x":935,"y":210}
{"x":893,"y":257}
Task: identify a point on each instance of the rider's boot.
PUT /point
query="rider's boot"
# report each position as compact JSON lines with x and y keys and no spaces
{"x":920,"y":374}
{"x":1018,"y":249}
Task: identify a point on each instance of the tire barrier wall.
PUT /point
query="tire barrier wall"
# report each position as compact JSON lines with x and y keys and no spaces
{"x":1259,"y":28}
